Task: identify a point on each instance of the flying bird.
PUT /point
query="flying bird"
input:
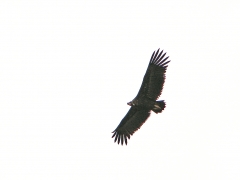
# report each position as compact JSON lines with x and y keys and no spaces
{"x":145,"y":101}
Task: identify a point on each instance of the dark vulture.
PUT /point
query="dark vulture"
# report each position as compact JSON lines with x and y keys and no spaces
{"x":145,"y":101}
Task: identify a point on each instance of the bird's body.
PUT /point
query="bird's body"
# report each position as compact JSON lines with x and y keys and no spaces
{"x":145,"y":101}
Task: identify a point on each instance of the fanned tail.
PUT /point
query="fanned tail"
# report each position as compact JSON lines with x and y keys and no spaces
{"x":159,"y":106}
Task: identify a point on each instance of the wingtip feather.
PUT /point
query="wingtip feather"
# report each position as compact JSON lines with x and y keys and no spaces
{"x":158,"y":60}
{"x":156,"y":54}
{"x":121,"y":139}
{"x":125,"y":137}
{"x":114,"y":133}
{"x":152,"y":56}
{"x":165,"y":64}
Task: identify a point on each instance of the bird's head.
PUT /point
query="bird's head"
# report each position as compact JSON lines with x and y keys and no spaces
{"x":130,"y":103}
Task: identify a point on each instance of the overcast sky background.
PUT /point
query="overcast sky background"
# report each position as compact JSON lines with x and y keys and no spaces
{"x":68,"y":68}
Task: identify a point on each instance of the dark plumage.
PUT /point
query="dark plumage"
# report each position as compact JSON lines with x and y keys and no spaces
{"x":145,"y":101}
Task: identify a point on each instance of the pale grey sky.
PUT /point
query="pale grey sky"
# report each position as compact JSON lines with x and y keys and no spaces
{"x":68,"y":68}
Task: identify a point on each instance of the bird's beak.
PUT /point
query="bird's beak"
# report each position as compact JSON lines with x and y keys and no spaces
{"x":129,"y":103}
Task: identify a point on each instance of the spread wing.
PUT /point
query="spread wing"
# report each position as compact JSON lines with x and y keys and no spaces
{"x":132,"y":121}
{"x":154,"y":78}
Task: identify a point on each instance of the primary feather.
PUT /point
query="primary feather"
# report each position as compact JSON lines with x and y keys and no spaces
{"x":145,"y":101}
